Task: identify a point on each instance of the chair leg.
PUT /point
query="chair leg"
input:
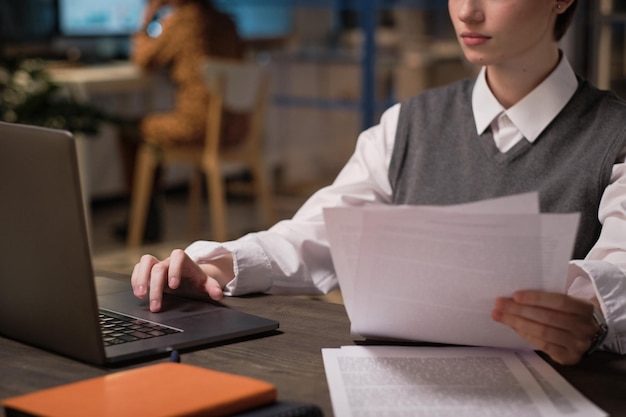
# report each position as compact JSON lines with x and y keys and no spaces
{"x":195,"y":200}
{"x":217,"y":202}
{"x":142,"y":188}
{"x":263,"y":191}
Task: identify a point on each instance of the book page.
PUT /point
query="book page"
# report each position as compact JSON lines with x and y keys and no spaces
{"x":417,"y":381}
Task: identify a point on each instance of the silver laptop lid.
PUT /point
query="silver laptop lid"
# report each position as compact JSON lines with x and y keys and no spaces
{"x":47,"y":294}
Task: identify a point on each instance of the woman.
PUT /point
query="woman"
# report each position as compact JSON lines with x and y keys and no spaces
{"x":178,"y":36}
{"x":526,"y":123}
{"x":180,"y":41}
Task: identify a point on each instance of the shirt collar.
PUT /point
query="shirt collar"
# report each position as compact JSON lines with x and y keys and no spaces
{"x":533,"y":113}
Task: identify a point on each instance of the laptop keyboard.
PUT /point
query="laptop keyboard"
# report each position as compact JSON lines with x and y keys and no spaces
{"x":117,"y":329}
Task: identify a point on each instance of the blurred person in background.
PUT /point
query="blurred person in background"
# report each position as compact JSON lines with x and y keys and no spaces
{"x":177,"y":36}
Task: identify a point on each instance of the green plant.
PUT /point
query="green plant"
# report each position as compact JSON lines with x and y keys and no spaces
{"x":29,"y":96}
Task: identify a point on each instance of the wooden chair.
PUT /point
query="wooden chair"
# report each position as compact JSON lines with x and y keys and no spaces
{"x":234,"y":86}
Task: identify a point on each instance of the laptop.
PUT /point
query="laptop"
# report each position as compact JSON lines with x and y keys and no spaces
{"x":50,"y":295}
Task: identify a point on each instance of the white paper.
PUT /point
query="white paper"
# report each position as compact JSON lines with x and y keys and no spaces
{"x":433,"y":273}
{"x":345,"y":229}
{"x":459,"y":382}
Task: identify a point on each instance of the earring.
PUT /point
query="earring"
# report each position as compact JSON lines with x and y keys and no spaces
{"x":559,"y":6}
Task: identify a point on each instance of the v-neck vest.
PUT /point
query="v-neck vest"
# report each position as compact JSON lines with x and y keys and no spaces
{"x":439,"y":159}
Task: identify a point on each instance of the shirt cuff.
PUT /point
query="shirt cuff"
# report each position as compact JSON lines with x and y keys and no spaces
{"x":607,"y":283}
{"x":250,"y":263}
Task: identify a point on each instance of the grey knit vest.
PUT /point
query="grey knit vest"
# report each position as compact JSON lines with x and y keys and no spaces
{"x":439,"y":158}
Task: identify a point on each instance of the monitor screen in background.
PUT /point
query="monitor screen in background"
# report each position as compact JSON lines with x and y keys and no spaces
{"x":254,"y":19}
{"x":259,"y":19}
{"x":100,"y":17}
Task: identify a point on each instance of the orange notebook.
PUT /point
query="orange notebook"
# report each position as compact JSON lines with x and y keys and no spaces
{"x":166,"y":389}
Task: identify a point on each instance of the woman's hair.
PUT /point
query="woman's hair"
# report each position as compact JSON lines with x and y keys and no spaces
{"x":564,"y":20}
{"x":206,"y":4}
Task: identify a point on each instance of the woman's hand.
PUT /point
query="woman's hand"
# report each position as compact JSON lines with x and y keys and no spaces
{"x":151,"y":276}
{"x":558,"y":324}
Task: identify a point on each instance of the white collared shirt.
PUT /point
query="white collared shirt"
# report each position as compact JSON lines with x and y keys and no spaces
{"x":528,"y":117}
{"x":293,"y":256}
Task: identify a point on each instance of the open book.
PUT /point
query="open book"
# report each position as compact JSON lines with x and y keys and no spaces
{"x":448,"y":381}
{"x":426,"y":273}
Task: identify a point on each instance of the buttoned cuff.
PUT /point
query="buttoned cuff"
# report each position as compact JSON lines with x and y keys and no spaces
{"x":608,"y":283}
{"x":250,"y":263}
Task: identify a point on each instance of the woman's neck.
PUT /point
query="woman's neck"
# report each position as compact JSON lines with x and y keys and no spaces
{"x":512,"y":81}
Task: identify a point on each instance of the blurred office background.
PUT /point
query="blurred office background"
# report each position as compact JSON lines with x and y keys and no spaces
{"x":335,"y":64}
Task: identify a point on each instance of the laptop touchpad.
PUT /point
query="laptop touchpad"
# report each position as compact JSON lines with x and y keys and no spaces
{"x":173,"y":307}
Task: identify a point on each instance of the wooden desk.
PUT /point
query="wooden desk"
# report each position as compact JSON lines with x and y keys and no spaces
{"x":291,"y":359}
{"x":83,"y":81}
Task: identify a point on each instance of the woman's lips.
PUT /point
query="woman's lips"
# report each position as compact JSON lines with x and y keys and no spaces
{"x":474,"y":39}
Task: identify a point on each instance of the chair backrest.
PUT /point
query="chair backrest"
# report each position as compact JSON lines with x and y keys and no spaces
{"x":240,"y":87}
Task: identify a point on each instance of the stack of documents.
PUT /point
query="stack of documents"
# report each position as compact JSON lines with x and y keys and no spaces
{"x":432,"y":274}
{"x":418,"y":381}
